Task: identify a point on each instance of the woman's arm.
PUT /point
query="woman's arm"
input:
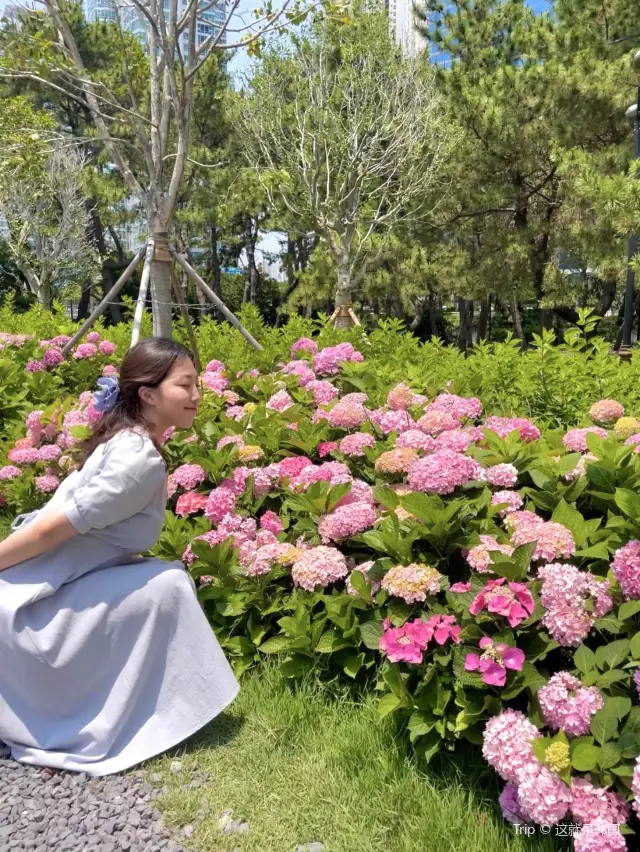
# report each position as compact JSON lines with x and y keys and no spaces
{"x":48,"y":531}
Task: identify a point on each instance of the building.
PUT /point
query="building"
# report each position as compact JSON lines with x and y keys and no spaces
{"x":210,"y":23}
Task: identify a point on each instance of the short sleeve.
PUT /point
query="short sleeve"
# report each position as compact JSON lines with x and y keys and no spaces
{"x":131,"y":475}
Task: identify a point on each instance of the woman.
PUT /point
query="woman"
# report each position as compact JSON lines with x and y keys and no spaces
{"x":106,"y":657}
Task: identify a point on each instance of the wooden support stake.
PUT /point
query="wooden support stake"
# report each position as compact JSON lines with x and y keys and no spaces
{"x":224,"y":310}
{"x":142,"y":295}
{"x":186,"y":318}
{"x":100,"y":309}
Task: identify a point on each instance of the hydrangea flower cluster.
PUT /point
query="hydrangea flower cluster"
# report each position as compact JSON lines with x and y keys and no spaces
{"x":564,"y":593}
{"x":493,"y":663}
{"x":478,"y":557}
{"x":346,"y":521}
{"x":502,"y":475}
{"x":567,"y":704}
{"x":327,"y":361}
{"x":355,"y":444}
{"x":511,"y":501}
{"x":576,"y":439}
{"x":444,"y":471}
{"x":412,"y":582}
{"x":408,"y":643}
{"x":319,"y":566}
{"x":626,"y":569}
{"x":606,"y":411}
{"x":189,"y":476}
{"x":514,"y":601}
{"x":504,"y":426}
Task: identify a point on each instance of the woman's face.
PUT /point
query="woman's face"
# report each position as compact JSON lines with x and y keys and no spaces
{"x":175,"y":401}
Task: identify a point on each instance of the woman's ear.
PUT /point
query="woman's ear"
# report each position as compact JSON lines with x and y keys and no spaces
{"x":146,"y":395}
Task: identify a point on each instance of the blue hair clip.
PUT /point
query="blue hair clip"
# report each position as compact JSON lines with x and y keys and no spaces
{"x":108,"y":395}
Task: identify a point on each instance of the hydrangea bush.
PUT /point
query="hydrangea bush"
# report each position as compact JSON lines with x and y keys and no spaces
{"x":480,"y":571}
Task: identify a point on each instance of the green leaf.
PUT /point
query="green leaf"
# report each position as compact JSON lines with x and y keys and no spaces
{"x":612,"y":654}
{"x":604,"y":724}
{"x":387,"y":497}
{"x":609,"y":756}
{"x":370,"y":633}
{"x":361,"y":584}
{"x":629,"y":502}
{"x":329,"y":642}
{"x":628,"y":609}
{"x":584,"y":659}
{"x":276,"y":645}
{"x":571,"y":518}
{"x":584,"y":756}
{"x":388,"y":704}
{"x":352,"y":664}
{"x":607,"y":678}
{"x":635,"y":646}
{"x":420,"y":723}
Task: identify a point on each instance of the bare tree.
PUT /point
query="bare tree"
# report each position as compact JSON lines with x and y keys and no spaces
{"x":350,"y":138}
{"x":159,"y":120}
{"x":48,"y":224}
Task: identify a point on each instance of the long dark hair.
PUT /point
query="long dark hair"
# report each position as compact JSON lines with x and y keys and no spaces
{"x":146,"y":364}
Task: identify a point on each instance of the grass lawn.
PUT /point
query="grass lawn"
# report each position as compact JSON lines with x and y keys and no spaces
{"x":300,"y":766}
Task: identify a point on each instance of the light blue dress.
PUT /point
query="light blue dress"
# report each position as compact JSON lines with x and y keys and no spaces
{"x":106,"y":657}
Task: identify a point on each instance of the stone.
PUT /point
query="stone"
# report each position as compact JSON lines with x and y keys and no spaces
{"x":176,"y":767}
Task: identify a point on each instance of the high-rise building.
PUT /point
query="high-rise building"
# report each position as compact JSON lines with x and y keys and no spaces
{"x":210,"y":22}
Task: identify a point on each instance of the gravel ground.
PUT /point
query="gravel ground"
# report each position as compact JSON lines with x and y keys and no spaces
{"x":43,"y":810}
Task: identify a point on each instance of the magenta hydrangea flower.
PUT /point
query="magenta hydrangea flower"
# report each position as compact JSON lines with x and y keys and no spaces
{"x":60,"y":340}
{"x":46,"y":483}
{"x":626,"y":569}
{"x":9,"y":471}
{"x":221,"y":502}
{"x":215,"y":366}
{"x":554,"y":541}
{"x":106,"y":347}
{"x":478,"y":557}
{"x":502,"y":475}
{"x":589,"y":803}
{"x":52,"y":357}
{"x":238,"y":440}
{"x":401,"y":646}
{"x":504,"y":426}
{"x":436,"y":421}
{"x":494,"y":661}
{"x":355,"y":444}
{"x":326,"y":447}
{"x":109,"y":370}
{"x":191,"y":502}
{"x":346,"y":521}
{"x":606,"y":411}
{"x":319,"y":566}
{"x":567,"y":704}
{"x":361,"y":492}
{"x":443,"y":471}
{"x":460,"y":588}
{"x":304,"y":344}
{"x":412,"y":582}
{"x":85,"y":350}
{"x":576,"y":439}
{"x":327,"y":361}
{"x":514,"y":601}
{"x":301,"y":370}
{"x":270,"y":521}
{"x":35,"y":367}
{"x":93,"y":337}
{"x":334,"y":473}
{"x":635,"y":786}
{"x":189,"y":476}
{"x":506,"y":744}
{"x":565,"y":590}
{"x":636,"y":680}
{"x":216,"y":382}
{"x":280,"y":401}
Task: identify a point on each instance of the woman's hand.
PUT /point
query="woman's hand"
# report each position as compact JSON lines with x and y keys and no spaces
{"x":48,"y":531}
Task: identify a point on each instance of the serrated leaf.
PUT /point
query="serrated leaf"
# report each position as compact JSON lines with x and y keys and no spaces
{"x":584,"y":757}
{"x":628,"y":609}
{"x":276,"y":645}
{"x":612,"y":654}
{"x":629,"y":502}
{"x":609,"y":756}
{"x":388,"y":703}
{"x":604,"y":725}
{"x":371,"y":633}
{"x":584,"y":659}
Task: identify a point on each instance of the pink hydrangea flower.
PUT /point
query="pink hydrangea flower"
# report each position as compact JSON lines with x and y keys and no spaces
{"x":346,"y":521}
{"x":576,"y":439}
{"x":400,"y":646}
{"x":511,"y":600}
{"x":85,"y":350}
{"x":53,"y":357}
{"x":460,"y":588}
{"x":565,"y":590}
{"x":400,"y":397}
{"x":443,"y":471}
{"x":319,"y":566}
{"x":554,"y":541}
{"x":93,"y":337}
{"x":355,"y":445}
{"x":215,"y":366}
{"x":361,"y":492}
{"x":191,"y":502}
{"x":510,"y":805}
{"x":589,"y":803}
{"x":436,"y":421}
{"x":392,"y":421}
{"x":60,"y":340}
{"x":106,"y":347}
{"x":271,"y":522}
{"x":109,"y":370}
{"x":326,"y":447}
{"x":543,"y":797}
{"x":504,"y":426}
{"x":458,"y":440}
{"x":280,"y":401}
{"x":606,"y":411}
{"x":412,"y":582}
{"x":26,"y":455}
{"x":636,"y":680}
{"x":304,"y":344}
{"x":189,"y":476}
{"x":46,"y":483}
{"x":335,"y":473}
{"x":238,"y":440}
{"x":301,"y":370}
{"x":294,"y":465}
{"x":599,"y":836}
{"x":463,"y":408}
{"x":511,"y":499}
{"x":168,"y":434}
{"x":506,"y":744}
{"x":494,"y":661}
{"x":478,"y":557}
{"x":49,"y":452}
{"x":9,"y":471}
{"x":323,"y":392}
{"x":35,"y":367}
{"x":635,"y":786}
{"x":221,"y":502}
{"x":348,"y":414}
{"x":502,"y":475}
{"x":363,"y":568}
{"x":415,"y":439}
{"x":626,"y":569}
{"x":327,"y":361}
{"x":566,"y":704}
{"x":216,"y":382}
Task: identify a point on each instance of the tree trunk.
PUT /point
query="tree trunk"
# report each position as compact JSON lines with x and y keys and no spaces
{"x":343,"y":295}
{"x":517,"y":321}
{"x":546,"y":319}
{"x":85,"y":297}
{"x":160,"y":284}
{"x":465,"y":309}
{"x":251,"y":293}
{"x":483,"y":318}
